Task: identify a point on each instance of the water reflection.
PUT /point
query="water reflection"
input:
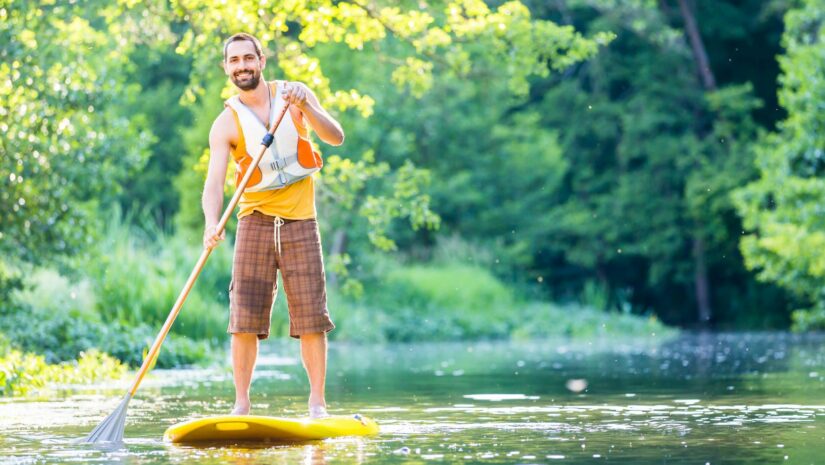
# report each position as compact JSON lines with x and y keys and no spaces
{"x":747,"y":399}
{"x":313,"y":453}
{"x":251,"y":453}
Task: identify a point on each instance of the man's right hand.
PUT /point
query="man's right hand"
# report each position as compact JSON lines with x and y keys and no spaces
{"x":210,"y":238}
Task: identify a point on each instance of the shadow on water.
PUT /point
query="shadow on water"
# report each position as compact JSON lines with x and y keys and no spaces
{"x":727,"y":398}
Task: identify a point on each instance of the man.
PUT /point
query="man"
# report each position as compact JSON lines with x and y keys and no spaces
{"x":276,"y":222}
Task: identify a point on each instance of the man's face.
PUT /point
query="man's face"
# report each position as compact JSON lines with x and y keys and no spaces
{"x":242,"y":64}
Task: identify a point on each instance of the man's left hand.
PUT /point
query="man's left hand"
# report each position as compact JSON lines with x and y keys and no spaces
{"x":296,"y":93}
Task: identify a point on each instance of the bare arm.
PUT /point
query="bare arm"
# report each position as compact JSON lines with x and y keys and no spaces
{"x":212,"y":200}
{"x":327,"y":128}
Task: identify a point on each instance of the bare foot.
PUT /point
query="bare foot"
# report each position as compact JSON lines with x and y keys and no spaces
{"x":318,"y":411}
{"x":240,"y":410}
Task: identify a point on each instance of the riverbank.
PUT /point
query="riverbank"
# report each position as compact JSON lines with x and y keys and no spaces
{"x":112,"y":302}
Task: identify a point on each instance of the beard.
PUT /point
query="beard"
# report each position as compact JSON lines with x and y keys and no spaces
{"x":247,"y":81}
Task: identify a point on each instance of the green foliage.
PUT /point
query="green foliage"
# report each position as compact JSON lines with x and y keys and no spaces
{"x":137,"y":277}
{"x":490,"y":165}
{"x":65,"y":145}
{"x":449,"y":33}
{"x":62,"y":337}
{"x":162,"y":75}
{"x":584,"y":161}
{"x":20,"y":373}
{"x":649,"y":159}
{"x":544,"y":320}
{"x":10,"y":281}
{"x":811,"y":319}
{"x":60,"y":319}
{"x":189,"y":180}
{"x":782,"y":209}
{"x":346,"y":184}
{"x":460,"y":302}
{"x":118,"y":298}
{"x":456,"y":286}
{"x":444,"y":302}
{"x":424,"y":49}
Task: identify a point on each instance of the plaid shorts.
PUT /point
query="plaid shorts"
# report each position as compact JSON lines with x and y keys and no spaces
{"x":261,"y":249}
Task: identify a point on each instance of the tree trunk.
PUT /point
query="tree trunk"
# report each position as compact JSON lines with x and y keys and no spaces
{"x":698,"y":47}
{"x":701,"y":280}
{"x":702,"y":284}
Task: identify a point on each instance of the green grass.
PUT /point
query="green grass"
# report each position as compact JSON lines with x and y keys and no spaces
{"x":455,"y":302}
{"x":539,"y":320}
{"x":137,"y":277}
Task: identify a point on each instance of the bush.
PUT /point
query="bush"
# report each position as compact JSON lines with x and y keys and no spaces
{"x":808,"y":320}
{"x":63,"y":336}
{"x":122,"y":295}
{"x":453,"y":302}
{"x":542,"y":319}
{"x":441,"y":303}
{"x":450,"y":286}
{"x":60,"y":319}
{"x":137,"y":280}
{"x":22,"y":372}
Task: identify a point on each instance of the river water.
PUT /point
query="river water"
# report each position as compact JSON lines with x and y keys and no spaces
{"x":695,"y":399}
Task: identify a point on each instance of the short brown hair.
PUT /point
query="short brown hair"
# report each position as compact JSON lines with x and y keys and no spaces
{"x":240,"y":37}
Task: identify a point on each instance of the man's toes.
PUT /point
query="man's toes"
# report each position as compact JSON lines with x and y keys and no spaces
{"x":318,"y":411}
{"x":240,"y":410}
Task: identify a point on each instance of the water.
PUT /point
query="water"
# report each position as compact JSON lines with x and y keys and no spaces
{"x":722,"y":399}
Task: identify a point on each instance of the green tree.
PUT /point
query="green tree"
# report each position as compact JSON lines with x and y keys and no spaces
{"x":66,"y":145}
{"x":459,"y":69}
{"x":162,"y":75}
{"x":782,"y":209}
{"x":489,"y":160}
{"x":653,"y":151}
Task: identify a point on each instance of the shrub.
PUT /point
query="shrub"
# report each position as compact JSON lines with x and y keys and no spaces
{"x":22,"y":372}
{"x":137,"y":282}
{"x":441,"y":303}
{"x":453,"y":302}
{"x":808,"y":320}
{"x":60,"y":319}
{"x":543,"y":319}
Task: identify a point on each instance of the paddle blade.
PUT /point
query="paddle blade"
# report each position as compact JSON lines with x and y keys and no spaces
{"x":111,"y":429}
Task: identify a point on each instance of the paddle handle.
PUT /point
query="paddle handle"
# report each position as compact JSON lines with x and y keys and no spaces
{"x":173,"y":314}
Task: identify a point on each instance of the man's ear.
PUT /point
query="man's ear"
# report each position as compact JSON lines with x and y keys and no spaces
{"x":222,"y":66}
{"x":263,"y":62}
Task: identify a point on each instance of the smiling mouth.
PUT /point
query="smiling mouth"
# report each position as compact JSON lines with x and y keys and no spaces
{"x":243,"y":74}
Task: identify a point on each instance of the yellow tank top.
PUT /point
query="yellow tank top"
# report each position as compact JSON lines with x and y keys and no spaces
{"x":293,"y":202}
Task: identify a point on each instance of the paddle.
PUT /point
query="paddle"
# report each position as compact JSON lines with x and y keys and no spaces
{"x":111,"y":429}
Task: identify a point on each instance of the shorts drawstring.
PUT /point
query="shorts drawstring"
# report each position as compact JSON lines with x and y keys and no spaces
{"x":278,"y":223}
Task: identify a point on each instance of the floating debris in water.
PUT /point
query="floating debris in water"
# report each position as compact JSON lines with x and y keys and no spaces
{"x":402,"y":451}
{"x":576,"y":385}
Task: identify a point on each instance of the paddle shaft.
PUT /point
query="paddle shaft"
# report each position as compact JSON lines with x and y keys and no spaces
{"x":173,"y":314}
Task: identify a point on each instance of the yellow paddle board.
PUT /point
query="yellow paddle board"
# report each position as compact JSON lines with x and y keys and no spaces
{"x":259,"y":428}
